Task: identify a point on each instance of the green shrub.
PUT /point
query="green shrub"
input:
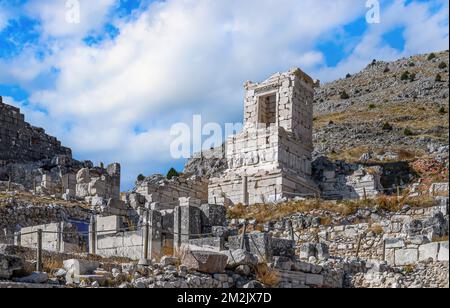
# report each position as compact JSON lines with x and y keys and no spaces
{"x":172,"y":173}
{"x":431,"y":56}
{"x":438,"y":78}
{"x":442,"y":110}
{"x":442,"y":65}
{"x":412,"y":77}
{"x":348,"y":76}
{"x":140,"y":178}
{"x":387,"y":126}
{"x":411,"y":64}
{"x":405,"y":76}
{"x":372,"y":106}
{"x":344,"y":95}
{"x":408,"y":132}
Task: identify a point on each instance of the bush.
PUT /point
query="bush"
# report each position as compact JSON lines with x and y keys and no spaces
{"x":387,"y":70}
{"x":431,"y":56}
{"x":442,"y":65}
{"x":438,"y":78}
{"x":412,"y":77}
{"x":344,"y":95}
{"x":442,"y":110}
{"x":348,"y":76}
{"x":372,"y":106}
{"x":172,"y":174}
{"x":412,"y":64}
{"x":408,"y":132}
{"x":405,"y":76}
{"x":387,"y":126}
{"x":140,"y":178}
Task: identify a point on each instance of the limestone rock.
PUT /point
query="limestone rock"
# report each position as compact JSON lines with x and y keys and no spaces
{"x":205,"y":261}
{"x":9,"y":264}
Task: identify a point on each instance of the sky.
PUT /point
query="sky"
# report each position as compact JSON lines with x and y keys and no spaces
{"x":109,"y":78}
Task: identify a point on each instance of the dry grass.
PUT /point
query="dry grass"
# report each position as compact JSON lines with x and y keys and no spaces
{"x":266,"y":275}
{"x":376,"y":229}
{"x":40,"y":200}
{"x":264,"y":213}
{"x":440,"y":239}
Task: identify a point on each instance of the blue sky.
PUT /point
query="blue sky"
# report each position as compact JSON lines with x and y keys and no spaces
{"x":111,"y":85}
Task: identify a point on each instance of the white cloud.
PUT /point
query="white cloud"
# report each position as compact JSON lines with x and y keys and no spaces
{"x":57,"y":18}
{"x":189,"y":56}
{"x":424,"y":31}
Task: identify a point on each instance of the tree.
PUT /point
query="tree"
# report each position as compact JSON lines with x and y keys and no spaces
{"x":172,"y":173}
{"x":344,"y":95}
{"x":431,"y":56}
{"x":140,"y":178}
{"x":405,"y":76}
{"x":442,"y":65}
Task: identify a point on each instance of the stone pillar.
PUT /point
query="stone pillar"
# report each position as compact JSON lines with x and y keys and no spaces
{"x":114,"y":172}
{"x":244,"y":190}
{"x":190,"y":202}
{"x":187,"y":224}
{"x":155,"y":234}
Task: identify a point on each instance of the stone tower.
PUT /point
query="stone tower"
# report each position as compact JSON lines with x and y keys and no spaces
{"x":271,"y":159}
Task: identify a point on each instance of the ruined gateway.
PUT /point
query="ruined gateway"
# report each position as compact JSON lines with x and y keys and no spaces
{"x":271,"y":159}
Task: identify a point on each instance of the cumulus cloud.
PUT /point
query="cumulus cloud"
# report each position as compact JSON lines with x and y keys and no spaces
{"x":116,"y":100}
{"x":69,"y":18}
{"x":423,"y":30}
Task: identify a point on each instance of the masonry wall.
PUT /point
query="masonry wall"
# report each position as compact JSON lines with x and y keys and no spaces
{"x":21,"y":142}
{"x":169,"y":191}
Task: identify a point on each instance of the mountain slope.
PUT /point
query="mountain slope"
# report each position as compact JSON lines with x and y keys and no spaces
{"x":399,"y":107}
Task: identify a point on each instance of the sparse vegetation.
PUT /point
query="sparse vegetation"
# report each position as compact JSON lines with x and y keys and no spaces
{"x":140,"y":178}
{"x":344,"y":95}
{"x":408,"y":132}
{"x":431,"y":56}
{"x":266,"y":275}
{"x":172,"y":174}
{"x":404,"y":76}
{"x":442,"y":65}
{"x":387,"y":127}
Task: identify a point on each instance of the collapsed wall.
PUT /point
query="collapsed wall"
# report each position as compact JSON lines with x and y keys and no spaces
{"x":21,"y":142}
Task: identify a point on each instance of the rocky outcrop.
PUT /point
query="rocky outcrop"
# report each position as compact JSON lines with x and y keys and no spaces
{"x":20,"y":142}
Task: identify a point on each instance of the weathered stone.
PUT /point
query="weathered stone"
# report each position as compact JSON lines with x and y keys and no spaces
{"x":307,"y":250}
{"x":428,"y":251}
{"x":205,"y":261}
{"x":443,"y":252}
{"x":323,"y":252}
{"x":8,"y":265}
{"x":406,"y":256}
{"x":240,"y":257}
{"x":35,"y":277}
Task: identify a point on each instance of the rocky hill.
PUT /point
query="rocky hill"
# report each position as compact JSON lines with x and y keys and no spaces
{"x":398,"y":108}
{"x":388,"y":112}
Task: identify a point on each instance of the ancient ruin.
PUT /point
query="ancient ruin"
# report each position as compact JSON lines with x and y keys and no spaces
{"x":271,"y":158}
{"x":271,"y":215}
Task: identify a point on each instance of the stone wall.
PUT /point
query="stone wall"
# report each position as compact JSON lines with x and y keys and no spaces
{"x":16,"y":214}
{"x":167,"y":192}
{"x":57,"y":237}
{"x":271,"y":158}
{"x":96,"y":182}
{"x":21,"y":142}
